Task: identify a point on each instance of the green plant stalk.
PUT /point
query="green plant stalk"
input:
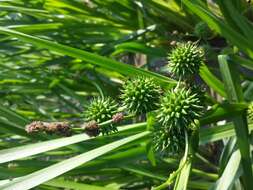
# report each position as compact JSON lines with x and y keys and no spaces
{"x":192,"y":145}
{"x":207,"y":162}
{"x":105,"y":122}
{"x":171,"y":178}
{"x":200,"y":173}
{"x":183,"y":172}
{"x":234,"y":93}
{"x":204,"y":174}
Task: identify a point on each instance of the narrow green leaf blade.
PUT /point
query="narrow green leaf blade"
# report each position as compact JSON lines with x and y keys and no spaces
{"x":235,"y":94}
{"x":33,"y":149}
{"x":41,"y":176}
{"x":98,"y":60}
{"x":60,"y":183}
{"x":230,"y":174}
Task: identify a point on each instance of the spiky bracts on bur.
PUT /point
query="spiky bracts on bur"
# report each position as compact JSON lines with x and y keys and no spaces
{"x":180,"y":109}
{"x":250,"y":112}
{"x":101,"y":110}
{"x":168,"y":142}
{"x":141,"y":95}
{"x":185,"y":60}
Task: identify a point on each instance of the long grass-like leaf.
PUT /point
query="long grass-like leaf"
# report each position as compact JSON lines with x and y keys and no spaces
{"x":41,"y":176}
{"x":230,"y":174}
{"x":86,"y":56}
{"x":234,"y":93}
{"x":33,"y":149}
{"x":219,"y":26}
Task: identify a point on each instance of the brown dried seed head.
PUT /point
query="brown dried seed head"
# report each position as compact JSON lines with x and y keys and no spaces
{"x":57,"y":127}
{"x":118,"y":117}
{"x":53,"y":127}
{"x":64,"y":129}
{"x":91,"y":128}
{"x":35,"y":126}
{"x":50,"y":127}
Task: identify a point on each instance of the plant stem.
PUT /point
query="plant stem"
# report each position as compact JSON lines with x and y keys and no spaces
{"x":204,"y":160}
{"x":205,"y":174}
{"x":77,"y":129}
{"x":184,"y":162}
{"x":171,"y":178}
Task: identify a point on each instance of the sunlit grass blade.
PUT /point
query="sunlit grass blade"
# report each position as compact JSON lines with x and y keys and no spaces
{"x":212,"y":80}
{"x":86,"y":56}
{"x":232,"y":172}
{"x":235,"y":94}
{"x":41,"y":176}
{"x":61,"y":183}
{"x":8,"y":155}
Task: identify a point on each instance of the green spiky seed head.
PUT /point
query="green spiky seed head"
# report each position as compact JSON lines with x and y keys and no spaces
{"x":140,"y":95}
{"x":202,"y":30}
{"x":168,"y":142}
{"x":250,"y":112}
{"x":185,"y":60}
{"x":100,"y":110}
{"x":180,"y":107}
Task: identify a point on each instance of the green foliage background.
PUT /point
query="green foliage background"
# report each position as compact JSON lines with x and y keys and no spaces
{"x":57,"y":54}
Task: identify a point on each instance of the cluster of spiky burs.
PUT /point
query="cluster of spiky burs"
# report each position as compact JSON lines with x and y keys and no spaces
{"x":140,"y":95}
{"x":177,"y":111}
{"x":185,"y":60}
{"x":180,"y":109}
{"x":182,"y":106}
{"x":98,"y":111}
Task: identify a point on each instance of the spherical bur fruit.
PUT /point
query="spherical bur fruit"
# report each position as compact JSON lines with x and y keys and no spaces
{"x":179,"y":108}
{"x":101,"y":110}
{"x":185,"y":60}
{"x":140,"y":95}
{"x":168,"y":142}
